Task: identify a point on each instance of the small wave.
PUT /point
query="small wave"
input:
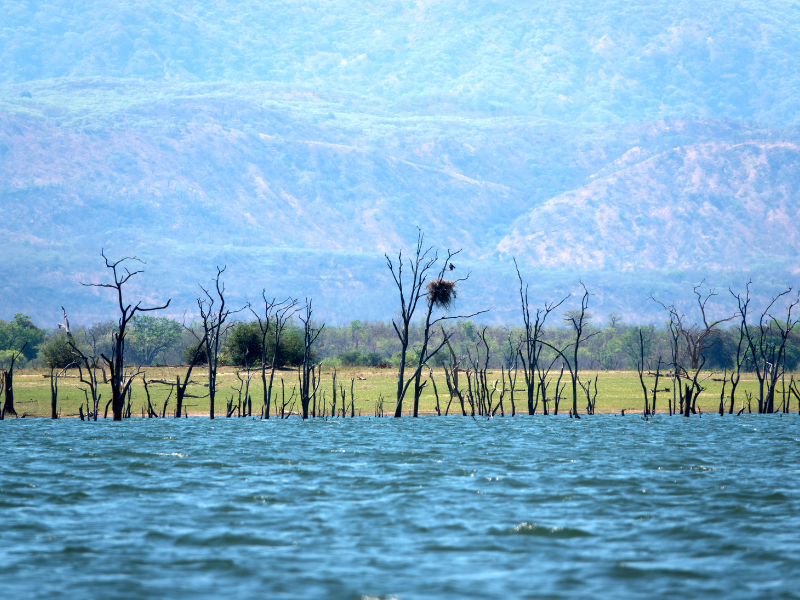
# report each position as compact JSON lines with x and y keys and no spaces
{"x":534,"y":529}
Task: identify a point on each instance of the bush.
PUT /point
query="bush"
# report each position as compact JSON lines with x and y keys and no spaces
{"x":56,"y":351}
{"x":7,"y":355}
{"x":411,"y":358}
{"x":357,"y":359}
{"x":243,"y":345}
{"x":244,"y":342}
{"x":188,"y":354}
{"x":291,"y":348}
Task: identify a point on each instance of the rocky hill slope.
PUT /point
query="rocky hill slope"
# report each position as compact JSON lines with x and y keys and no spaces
{"x":637,"y":148}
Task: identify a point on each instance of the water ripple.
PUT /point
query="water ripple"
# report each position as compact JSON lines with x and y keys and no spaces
{"x":384,"y":508}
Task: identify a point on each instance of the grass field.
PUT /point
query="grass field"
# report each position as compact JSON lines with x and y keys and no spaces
{"x":616,"y":390}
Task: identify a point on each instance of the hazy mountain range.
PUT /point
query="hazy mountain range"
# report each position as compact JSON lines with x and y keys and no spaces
{"x":637,"y":148}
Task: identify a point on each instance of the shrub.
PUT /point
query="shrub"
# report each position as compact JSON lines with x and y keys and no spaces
{"x":56,"y":351}
{"x":357,"y":359}
{"x":188,"y":354}
{"x":243,"y":344}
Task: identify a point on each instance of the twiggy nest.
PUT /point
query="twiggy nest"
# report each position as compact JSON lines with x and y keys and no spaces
{"x":441,"y":293}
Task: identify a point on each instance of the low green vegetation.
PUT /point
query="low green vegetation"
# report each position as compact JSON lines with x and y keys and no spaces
{"x":617,"y":390}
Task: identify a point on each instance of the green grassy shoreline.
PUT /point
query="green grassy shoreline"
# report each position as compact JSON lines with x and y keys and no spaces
{"x":617,"y":390}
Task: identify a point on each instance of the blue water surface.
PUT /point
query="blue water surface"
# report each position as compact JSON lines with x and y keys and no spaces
{"x":529,"y":507}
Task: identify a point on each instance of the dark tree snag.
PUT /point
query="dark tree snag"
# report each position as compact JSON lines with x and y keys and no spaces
{"x":215,"y":326}
{"x":435,"y":392}
{"x":352,"y":398}
{"x":591,"y":395}
{"x":655,"y":386}
{"x":513,"y":366}
{"x":531,"y":343}
{"x":741,"y":354}
{"x":87,"y":372}
{"x":451,"y":377}
{"x":180,"y":389}
{"x":721,"y":408}
{"x":54,"y":375}
{"x":308,"y":383}
{"x":277,"y":313}
{"x":696,"y":342}
{"x":578,"y":322}
{"x":151,"y":412}
{"x":8,"y":406}
{"x":116,"y":363}
{"x":640,"y":367}
{"x":559,"y":391}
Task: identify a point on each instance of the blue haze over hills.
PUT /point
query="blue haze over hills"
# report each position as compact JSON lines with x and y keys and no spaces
{"x":639,"y":147}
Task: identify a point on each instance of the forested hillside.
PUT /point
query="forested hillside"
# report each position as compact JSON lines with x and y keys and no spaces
{"x":638,"y":147}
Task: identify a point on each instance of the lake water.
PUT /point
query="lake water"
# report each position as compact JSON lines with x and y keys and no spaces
{"x":543,"y":507}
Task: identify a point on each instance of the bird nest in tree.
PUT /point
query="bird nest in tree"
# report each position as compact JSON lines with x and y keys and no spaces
{"x":441,"y":292}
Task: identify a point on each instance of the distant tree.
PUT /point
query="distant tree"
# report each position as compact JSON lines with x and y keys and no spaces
{"x":57,"y":351}
{"x":192,"y":357}
{"x":151,"y":336}
{"x":17,"y":333}
{"x":243,"y":344}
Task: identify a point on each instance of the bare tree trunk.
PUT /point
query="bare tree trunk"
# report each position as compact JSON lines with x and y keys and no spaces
{"x":53,"y":393}
{"x":8,"y":406}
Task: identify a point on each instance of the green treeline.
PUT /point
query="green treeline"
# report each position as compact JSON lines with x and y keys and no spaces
{"x":160,"y":340}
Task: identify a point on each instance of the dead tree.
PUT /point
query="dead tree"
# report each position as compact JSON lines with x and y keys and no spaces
{"x":767,"y":347}
{"x":541,"y":387}
{"x":559,"y":391}
{"x":308,"y":383}
{"x":531,"y":343}
{"x":513,"y":381}
{"x":793,"y":391}
{"x":451,"y":378}
{"x":215,"y":325}
{"x":87,"y":373}
{"x":744,"y":305}
{"x":435,"y":392}
{"x":438,"y":293}
{"x":640,"y":367}
{"x":352,"y":398}
{"x":151,"y":412}
{"x":55,"y":373}
{"x":591,"y":395}
{"x":502,"y":393}
{"x":87,"y":370}
{"x":578,"y":320}
{"x":180,"y":388}
{"x":120,"y":384}
{"x":8,"y":406}
{"x":696,"y":341}
{"x":275,"y":314}
{"x":479,"y":392}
